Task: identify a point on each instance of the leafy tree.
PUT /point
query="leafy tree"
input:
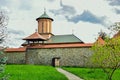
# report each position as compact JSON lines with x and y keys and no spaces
{"x":107,"y":56}
{"x":3,"y":23}
{"x":102,"y":34}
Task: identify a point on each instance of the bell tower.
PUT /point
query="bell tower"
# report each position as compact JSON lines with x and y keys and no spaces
{"x":45,"y":25}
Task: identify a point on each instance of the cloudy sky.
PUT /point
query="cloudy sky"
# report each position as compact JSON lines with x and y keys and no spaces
{"x":84,"y":18}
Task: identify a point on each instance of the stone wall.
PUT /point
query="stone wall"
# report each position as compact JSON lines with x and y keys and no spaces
{"x":15,"y":57}
{"x":68,"y":56}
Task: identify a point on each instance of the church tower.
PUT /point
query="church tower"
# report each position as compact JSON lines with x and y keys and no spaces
{"x":45,"y":25}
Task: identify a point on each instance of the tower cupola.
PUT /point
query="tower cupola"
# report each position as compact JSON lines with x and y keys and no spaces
{"x":45,"y":25}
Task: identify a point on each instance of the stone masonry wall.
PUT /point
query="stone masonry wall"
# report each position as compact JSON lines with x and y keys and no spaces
{"x":15,"y":57}
{"x":68,"y":56}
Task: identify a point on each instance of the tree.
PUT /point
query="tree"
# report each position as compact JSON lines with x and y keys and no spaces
{"x":114,"y":28}
{"x":107,"y":56}
{"x":3,"y":24}
{"x":102,"y":34}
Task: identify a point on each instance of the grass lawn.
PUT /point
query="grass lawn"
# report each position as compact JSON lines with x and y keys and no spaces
{"x":33,"y":72}
{"x":91,"y":74}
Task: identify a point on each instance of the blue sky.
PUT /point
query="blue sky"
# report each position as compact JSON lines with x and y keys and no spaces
{"x":84,"y":18}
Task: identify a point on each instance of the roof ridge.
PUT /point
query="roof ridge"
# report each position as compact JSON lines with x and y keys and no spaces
{"x":78,"y":38}
{"x":35,"y":35}
{"x":63,"y":34}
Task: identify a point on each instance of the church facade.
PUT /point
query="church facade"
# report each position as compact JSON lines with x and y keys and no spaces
{"x":44,"y":48}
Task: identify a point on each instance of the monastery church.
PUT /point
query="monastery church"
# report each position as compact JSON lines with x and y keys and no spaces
{"x":44,"y":48}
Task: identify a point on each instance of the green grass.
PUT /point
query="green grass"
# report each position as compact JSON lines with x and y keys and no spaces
{"x":33,"y":72}
{"x":91,"y":74}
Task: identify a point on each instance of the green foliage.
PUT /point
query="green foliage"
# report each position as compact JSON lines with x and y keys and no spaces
{"x":107,"y":56}
{"x":92,"y":74}
{"x":3,"y":76}
{"x":2,"y":68}
{"x":3,"y":60}
{"x":33,"y":72}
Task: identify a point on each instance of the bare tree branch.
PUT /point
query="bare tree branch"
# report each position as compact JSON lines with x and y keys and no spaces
{"x":3,"y":23}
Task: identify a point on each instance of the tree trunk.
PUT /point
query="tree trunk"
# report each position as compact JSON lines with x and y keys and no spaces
{"x":110,"y":78}
{"x":111,"y":74}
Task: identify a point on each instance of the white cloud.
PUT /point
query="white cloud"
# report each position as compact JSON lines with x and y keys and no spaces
{"x":5,"y":9}
{"x":89,"y":31}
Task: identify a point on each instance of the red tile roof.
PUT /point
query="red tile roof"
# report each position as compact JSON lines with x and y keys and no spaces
{"x":100,"y":40}
{"x":117,"y":35}
{"x":21,"y":49}
{"x":34,"y":36}
{"x":63,"y":45}
{"x":72,"y":45}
